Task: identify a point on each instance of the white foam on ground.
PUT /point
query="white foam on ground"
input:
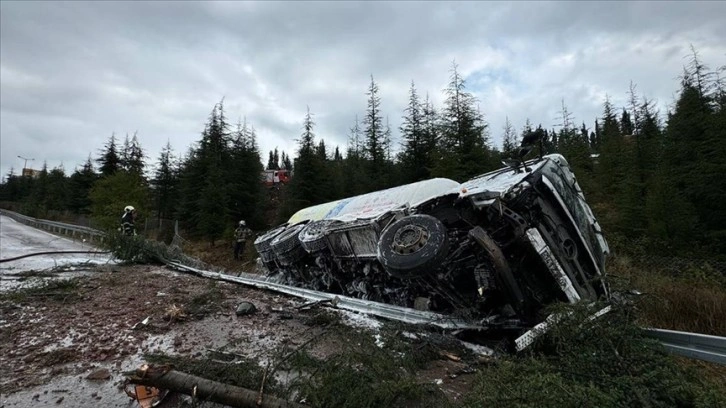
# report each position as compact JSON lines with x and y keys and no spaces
{"x":17,"y":239}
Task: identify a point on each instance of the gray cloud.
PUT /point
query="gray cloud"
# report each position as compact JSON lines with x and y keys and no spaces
{"x":73,"y":73}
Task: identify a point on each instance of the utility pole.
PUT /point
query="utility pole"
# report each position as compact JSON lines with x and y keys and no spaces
{"x":25,"y":165}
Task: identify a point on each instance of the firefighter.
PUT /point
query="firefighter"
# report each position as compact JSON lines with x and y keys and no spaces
{"x":240,"y":237}
{"x":127,"y":221}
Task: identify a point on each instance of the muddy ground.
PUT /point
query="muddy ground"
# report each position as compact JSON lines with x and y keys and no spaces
{"x":69,"y":344}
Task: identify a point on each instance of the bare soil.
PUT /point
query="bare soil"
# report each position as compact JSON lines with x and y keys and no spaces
{"x":71,"y":348}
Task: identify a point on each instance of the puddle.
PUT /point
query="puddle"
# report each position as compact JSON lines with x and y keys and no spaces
{"x":74,"y":390}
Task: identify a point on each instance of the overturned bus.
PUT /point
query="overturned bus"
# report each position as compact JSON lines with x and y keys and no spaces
{"x":493,"y":250}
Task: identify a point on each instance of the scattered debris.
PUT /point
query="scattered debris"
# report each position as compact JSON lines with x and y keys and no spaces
{"x":245,"y":308}
{"x":100,"y":374}
{"x":450,"y":356}
{"x":174,"y":313}
{"x":333,"y":302}
{"x":142,"y":323}
{"x":146,"y":396}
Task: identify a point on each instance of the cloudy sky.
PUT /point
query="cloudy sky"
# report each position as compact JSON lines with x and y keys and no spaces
{"x":71,"y":74}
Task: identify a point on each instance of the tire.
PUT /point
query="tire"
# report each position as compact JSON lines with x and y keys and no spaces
{"x":312,"y":237}
{"x":413,"y":246}
{"x":287,"y":247}
{"x":262,"y":244}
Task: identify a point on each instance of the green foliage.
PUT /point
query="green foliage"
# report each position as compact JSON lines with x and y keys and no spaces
{"x":374,"y":142}
{"x":606,"y":362}
{"x":112,"y":193}
{"x":306,"y":186}
{"x":132,"y":156}
{"x":219,"y":180}
{"x":128,"y":249}
{"x":362,"y":375}
{"x":242,"y":176}
{"x":56,"y":290}
{"x":79,"y":187}
{"x":165,"y":184}
{"x":463,"y":145}
{"x":110,"y":160}
{"x":418,"y":145}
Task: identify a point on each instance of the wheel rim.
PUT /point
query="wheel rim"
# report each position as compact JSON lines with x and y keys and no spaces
{"x":410,"y":239}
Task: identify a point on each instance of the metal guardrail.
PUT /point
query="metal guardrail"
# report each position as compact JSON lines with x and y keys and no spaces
{"x":383,"y":310}
{"x":692,"y":345}
{"x":74,"y":231}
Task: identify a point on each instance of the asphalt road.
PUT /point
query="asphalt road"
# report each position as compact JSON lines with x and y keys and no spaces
{"x":17,"y":239}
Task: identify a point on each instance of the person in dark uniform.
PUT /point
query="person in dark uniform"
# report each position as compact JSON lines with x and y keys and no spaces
{"x":127,"y":221}
{"x":240,"y":236}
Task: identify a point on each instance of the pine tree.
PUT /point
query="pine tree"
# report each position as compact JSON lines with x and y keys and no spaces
{"x":354,"y":164}
{"x":270,"y":162}
{"x":374,"y":145}
{"x":463,"y":150}
{"x":80,"y":184}
{"x":135,"y":158}
{"x":416,"y":153}
{"x":626,"y":125}
{"x":212,"y":213}
{"x":244,"y":188}
{"x":612,"y":168}
{"x":202,"y":171}
{"x":35,"y":205}
{"x":695,"y":144}
{"x":430,"y":132}
{"x":273,"y":160}
{"x":286,"y":162}
{"x":574,"y":147}
{"x":305,"y":187}
{"x":124,"y":153}
{"x":164,"y":184}
{"x":57,"y":193}
{"x":509,"y":139}
{"x":110,"y":162}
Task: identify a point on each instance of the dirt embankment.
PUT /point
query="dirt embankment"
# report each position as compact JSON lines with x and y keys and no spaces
{"x":61,"y":340}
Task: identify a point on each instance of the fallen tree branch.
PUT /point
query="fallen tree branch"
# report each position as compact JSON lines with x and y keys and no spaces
{"x":205,"y":389}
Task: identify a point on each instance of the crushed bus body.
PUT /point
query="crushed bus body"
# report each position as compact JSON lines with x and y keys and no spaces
{"x":494,"y":250}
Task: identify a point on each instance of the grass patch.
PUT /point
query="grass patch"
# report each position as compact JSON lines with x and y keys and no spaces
{"x":55,"y":290}
{"x":694,"y":300}
{"x":603,"y":363}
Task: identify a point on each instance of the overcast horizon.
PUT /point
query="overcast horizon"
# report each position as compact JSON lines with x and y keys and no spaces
{"x":71,"y":74}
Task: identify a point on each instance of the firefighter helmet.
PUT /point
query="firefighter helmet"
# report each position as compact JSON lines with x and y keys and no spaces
{"x":129,"y":208}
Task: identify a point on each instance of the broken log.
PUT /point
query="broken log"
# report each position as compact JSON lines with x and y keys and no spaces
{"x":205,"y":389}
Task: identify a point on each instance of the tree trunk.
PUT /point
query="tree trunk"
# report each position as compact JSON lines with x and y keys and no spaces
{"x":206,"y":390}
